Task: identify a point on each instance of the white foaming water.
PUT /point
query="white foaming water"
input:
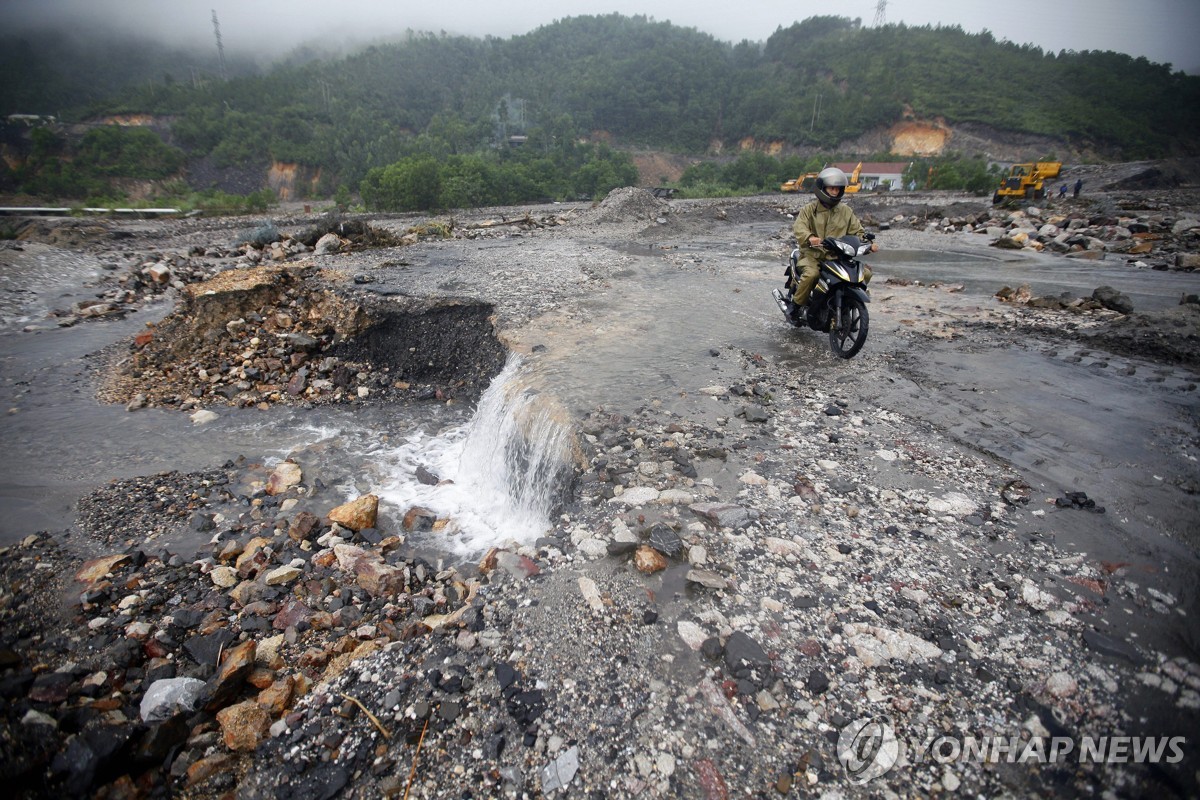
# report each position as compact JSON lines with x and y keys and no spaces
{"x":500,"y":473}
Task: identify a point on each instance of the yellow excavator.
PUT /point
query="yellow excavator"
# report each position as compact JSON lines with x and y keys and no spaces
{"x":1027,"y":181}
{"x":854,"y":185}
{"x":804,"y":183}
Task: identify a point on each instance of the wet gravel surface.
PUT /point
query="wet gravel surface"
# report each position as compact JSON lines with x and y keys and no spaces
{"x":745,"y":571}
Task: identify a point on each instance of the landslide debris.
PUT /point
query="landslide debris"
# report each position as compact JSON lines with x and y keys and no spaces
{"x":295,"y":334}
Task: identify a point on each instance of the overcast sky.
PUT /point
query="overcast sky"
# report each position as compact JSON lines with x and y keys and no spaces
{"x":1160,"y":30}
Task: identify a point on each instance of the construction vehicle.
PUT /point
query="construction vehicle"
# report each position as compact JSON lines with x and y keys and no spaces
{"x":1027,"y":181}
{"x":802,"y":184}
{"x":854,"y":184}
{"x":805,"y":182}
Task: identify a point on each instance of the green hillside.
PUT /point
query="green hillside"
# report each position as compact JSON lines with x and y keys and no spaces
{"x":808,"y":88}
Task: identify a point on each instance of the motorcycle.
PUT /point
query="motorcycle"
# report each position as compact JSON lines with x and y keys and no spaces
{"x":838,"y":301}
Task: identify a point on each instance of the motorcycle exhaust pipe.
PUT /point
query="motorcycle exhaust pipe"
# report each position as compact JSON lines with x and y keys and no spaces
{"x":779,"y":299}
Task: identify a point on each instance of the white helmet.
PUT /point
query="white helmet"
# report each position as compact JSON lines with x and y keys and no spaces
{"x":830,"y":176}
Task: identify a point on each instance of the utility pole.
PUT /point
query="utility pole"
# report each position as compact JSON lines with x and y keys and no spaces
{"x":220,"y":47}
{"x":880,"y":13}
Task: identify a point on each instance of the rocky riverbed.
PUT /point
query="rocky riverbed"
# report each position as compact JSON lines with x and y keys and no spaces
{"x":745,"y":574}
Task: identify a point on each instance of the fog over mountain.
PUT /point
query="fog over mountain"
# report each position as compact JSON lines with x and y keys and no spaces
{"x":1163,"y":31}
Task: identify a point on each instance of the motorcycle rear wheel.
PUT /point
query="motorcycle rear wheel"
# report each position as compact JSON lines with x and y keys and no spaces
{"x":848,"y":327}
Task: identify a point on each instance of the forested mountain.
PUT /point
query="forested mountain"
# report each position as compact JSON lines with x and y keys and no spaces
{"x":810,"y":87}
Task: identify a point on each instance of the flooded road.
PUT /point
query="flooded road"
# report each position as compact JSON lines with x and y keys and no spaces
{"x":668,"y":321}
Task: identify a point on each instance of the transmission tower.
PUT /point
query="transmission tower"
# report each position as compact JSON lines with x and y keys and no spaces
{"x":220,"y":47}
{"x":880,"y":13}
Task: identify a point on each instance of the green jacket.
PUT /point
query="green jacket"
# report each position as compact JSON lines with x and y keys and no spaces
{"x":817,"y":220}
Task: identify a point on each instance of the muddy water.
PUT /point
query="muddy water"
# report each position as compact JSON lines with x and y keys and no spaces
{"x":670,"y":321}
{"x":983,"y":271}
{"x":59,"y":443}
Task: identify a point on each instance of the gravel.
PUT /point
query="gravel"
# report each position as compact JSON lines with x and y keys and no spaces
{"x":670,"y":636}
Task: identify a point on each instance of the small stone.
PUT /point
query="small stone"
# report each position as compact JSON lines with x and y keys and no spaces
{"x":648,"y":560}
{"x":167,"y":696}
{"x":560,"y":772}
{"x":357,"y":514}
{"x":98,"y":568}
{"x":224,"y":577}
{"x":281,"y":576}
{"x":1061,"y":684}
{"x":707,"y":579}
{"x":285,"y":475}
{"x":243,"y":725}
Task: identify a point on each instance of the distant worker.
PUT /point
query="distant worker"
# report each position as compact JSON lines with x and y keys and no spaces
{"x":821,"y":218}
{"x":1078,"y":186}
{"x":1062,"y":190}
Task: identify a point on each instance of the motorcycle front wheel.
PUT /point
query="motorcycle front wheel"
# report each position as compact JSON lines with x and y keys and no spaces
{"x":848,"y":326}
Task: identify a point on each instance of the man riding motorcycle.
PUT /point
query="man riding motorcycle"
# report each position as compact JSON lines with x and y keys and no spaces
{"x":823,"y":217}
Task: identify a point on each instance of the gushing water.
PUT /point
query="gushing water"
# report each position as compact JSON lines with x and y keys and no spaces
{"x":500,"y":474}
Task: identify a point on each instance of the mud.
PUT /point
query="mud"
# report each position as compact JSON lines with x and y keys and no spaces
{"x":985,"y":521}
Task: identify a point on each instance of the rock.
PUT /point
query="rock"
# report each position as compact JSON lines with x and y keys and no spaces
{"x":518,"y":566}
{"x":559,"y":772}
{"x":292,"y":614}
{"x":817,"y":682}
{"x":1113,"y":300}
{"x":1009,"y":243}
{"x":1061,"y":684}
{"x":230,"y":677}
{"x":303,"y":526}
{"x":51,"y":688}
{"x":953,"y":504}
{"x":418,"y":518}
{"x":1187,"y":260}
{"x":208,"y":767}
{"x":591,"y":594}
{"x":876,"y":645}
{"x":755,"y":413}
{"x":722,"y":515}
{"x":426,"y":477}
{"x":707,"y":579}
{"x":1088,"y":255}
{"x":285,"y":475}
{"x":281,"y":576}
{"x":243,"y":725}
{"x":204,"y":648}
{"x":224,"y":577}
{"x":637,"y":496}
{"x":665,"y":540}
{"x":357,"y":514}
{"x":329,"y":243}
{"x":648,"y":560}
{"x":1035,"y":598}
{"x":380,"y":579}
{"x":278,"y":696}
{"x":1184,"y":225}
{"x":742,"y":652}
{"x":168,"y":696}
{"x":691,"y":633}
{"x":98,"y":569}
{"x":204,"y":417}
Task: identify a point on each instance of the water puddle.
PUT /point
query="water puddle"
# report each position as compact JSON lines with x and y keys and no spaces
{"x":1046,"y":275}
